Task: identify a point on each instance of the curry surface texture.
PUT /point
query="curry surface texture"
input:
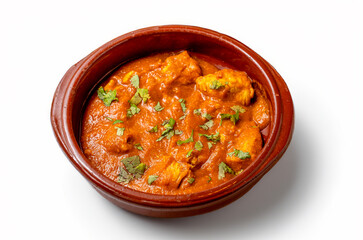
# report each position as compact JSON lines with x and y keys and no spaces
{"x":172,"y":123}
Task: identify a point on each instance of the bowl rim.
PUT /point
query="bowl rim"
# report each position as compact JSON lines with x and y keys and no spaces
{"x":61,"y":119}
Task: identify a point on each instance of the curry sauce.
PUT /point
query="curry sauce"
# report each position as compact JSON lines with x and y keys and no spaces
{"x":173,"y":123}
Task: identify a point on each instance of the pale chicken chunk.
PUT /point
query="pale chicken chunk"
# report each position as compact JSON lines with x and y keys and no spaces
{"x":180,"y":69}
{"x":173,"y":174}
{"x":227,"y":82}
{"x":249,"y":141}
{"x":114,"y":142}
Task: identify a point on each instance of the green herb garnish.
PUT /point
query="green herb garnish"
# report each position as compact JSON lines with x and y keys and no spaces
{"x":168,"y":132}
{"x":117,"y":121}
{"x":198,"y":145}
{"x":138,"y":146}
{"x":144,"y":93}
{"x":189,"y":153}
{"x":207,"y":125}
{"x":132,"y":110}
{"x":182,"y":117}
{"x":107,"y":96}
{"x":120,"y":131}
{"x":207,"y":116}
{"x":178,"y":132}
{"x":151,"y":179}
{"x":240,"y":154}
{"x":154,"y":129}
{"x":197,"y":111}
{"x":210,"y":145}
{"x":210,"y":179}
{"x":190,"y":139}
{"x":133,"y":168}
{"x":238,"y":109}
{"x":158,"y":107}
{"x":190,"y":180}
{"x":182,"y":104}
{"x":224,"y":168}
{"x":135,"y":81}
{"x":215,"y":84}
{"x":214,"y":138}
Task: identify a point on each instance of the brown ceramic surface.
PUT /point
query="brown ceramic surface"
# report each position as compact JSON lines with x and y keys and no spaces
{"x":82,"y":78}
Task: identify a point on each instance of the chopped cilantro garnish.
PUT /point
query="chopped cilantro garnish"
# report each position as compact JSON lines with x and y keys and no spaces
{"x":154,"y":129}
{"x":132,"y":110}
{"x":238,"y":109}
{"x":107,"y":96}
{"x":207,"y":116}
{"x":151,"y":179}
{"x":168,"y":132}
{"x":224,"y":168}
{"x":117,"y":121}
{"x":133,"y":168}
{"x":240,"y":154}
{"x":210,"y":145}
{"x":189,"y":153}
{"x":197,"y":111}
{"x":144,"y":93}
{"x":138,"y":146}
{"x":182,"y":104}
{"x":108,"y":118}
{"x":207,"y":125}
{"x":120,"y":131}
{"x":182,"y":117}
{"x":178,"y":132}
{"x":198,"y":146}
{"x":158,"y":107}
{"x":135,"y":81}
{"x":215,"y":84}
{"x":209,"y":179}
{"x":214,"y":138}
{"x":190,"y":180}
{"x":136,"y":99}
{"x":190,"y":139}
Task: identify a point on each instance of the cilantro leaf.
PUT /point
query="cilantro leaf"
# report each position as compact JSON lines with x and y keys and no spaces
{"x":120,"y":131}
{"x":135,"y":81}
{"x":168,"y":132}
{"x":190,"y":139}
{"x":151,"y":179}
{"x":240,"y":154}
{"x":189,"y":153}
{"x":214,"y":138}
{"x":215,"y":84}
{"x":117,"y":121}
{"x":136,"y":99}
{"x":197,"y":111}
{"x":108,"y":118}
{"x":198,"y":146}
{"x":144,"y":93}
{"x":107,"y":96}
{"x":182,"y":104}
{"x":182,"y":117}
{"x":158,"y":107}
{"x":223,"y":169}
{"x":207,"y":125}
{"x":209,"y":179}
{"x":133,"y":168}
{"x":190,"y":180}
{"x":178,"y":132}
{"x":132,"y":110}
{"x":238,"y":109}
{"x":210,"y":145}
{"x":207,"y":116}
{"x":138,"y":146}
{"x":154,"y":129}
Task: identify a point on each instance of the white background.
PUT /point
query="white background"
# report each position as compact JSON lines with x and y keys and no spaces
{"x":315,"y":190}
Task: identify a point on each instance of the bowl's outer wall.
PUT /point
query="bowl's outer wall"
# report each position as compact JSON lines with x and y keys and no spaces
{"x":136,"y":45}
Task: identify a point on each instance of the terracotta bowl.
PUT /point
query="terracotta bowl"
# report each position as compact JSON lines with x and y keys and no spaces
{"x":82,"y":78}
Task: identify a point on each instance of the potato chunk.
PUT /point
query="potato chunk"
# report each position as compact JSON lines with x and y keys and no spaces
{"x":180,"y":69}
{"x":227,"y":82}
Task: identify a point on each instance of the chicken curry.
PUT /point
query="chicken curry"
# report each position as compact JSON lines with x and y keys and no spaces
{"x":174,"y":123}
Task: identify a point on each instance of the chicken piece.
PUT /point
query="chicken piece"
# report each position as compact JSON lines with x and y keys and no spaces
{"x":181,"y":69}
{"x":174,"y":174}
{"x":116,"y":142}
{"x":249,"y":141}
{"x":261,"y":107}
{"x":227,"y":82}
